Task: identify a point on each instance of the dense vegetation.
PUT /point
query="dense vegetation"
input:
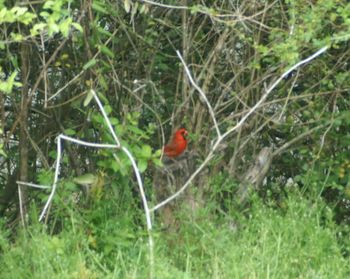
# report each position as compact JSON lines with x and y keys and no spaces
{"x":269,"y":166}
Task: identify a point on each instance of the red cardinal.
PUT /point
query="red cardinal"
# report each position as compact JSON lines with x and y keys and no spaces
{"x":178,"y":144}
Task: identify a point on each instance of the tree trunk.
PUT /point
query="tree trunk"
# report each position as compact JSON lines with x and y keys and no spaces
{"x":255,"y":175}
{"x":23,"y":139}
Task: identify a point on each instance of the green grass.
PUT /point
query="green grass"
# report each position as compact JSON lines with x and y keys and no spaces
{"x":298,"y":241}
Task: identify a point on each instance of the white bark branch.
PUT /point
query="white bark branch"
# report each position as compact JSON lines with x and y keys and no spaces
{"x":33,"y":185}
{"x":211,"y":111}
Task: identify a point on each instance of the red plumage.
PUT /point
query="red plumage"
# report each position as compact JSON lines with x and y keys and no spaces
{"x":177,"y":145}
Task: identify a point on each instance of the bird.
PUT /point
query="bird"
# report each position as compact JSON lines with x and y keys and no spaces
{"x":177,"y":145}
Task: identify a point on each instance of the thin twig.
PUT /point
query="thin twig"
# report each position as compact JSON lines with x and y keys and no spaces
{"x":68,"y":101}
{"x":54,"y":185}
{"x":285,"y":146}
{"x":33,"y":185}
{"x":90,"y":144}
{"x":66,"y":85}
{"x":212,"y":114}
{"x":105,"y":117}
{"x":288,"y":96}
{"x":165,"y":5}
{"x":45,"y":72}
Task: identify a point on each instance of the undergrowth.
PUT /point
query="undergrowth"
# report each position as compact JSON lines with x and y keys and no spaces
{"x":108,"y":240}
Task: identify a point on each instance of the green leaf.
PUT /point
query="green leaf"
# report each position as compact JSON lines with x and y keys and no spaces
{"x":158,"y":153}
{"x":48,"y":4}
{"x":99,"y":7}
{"x":53,"y":28}
{"x":37,"y":28}
{"x":7,"y":86}
{"x":146,"y":151}
{"x":45,"y":177}
{"x":144,"y":9}
{"x":69,"y":132}
{"x":104,"y":32}
{"x":106,"y":50}
{"x":53,"y":154}
{"x":2,"y":152}
{"x":87,"y":178}
{"x":19,"y":11}
{"x":157,"y":162}
{"x":65,"y":27}
{"x":77,"y":26}
{"x":97,"y":118}
{"x":69,"y":185}
{"x":45,"y":14}
{"x":88,"y":98}
{"x":142,"y":165}
{"x":3,"y":13}
{"x":103,"y":82}
{"x":16,"y":37}
{"x":136,"y":130}
{"x":114,"y":165}
{"x":114,"y":121}
{"x":90,"y":64}
{"x":108,"y":109}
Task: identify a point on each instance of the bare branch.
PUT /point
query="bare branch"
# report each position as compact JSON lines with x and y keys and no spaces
{"x":33,"y":185}
{"x":105,"y":117}
{"x":54,"y":185}
{"x":201,"y":93}
{"x":165,"y":5}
